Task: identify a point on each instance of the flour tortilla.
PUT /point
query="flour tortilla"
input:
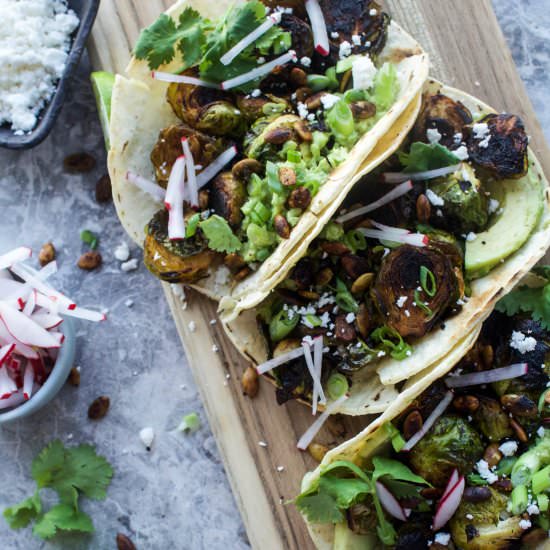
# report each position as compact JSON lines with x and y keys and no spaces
{"x":139,"y":111}
{"x":374,"y":388}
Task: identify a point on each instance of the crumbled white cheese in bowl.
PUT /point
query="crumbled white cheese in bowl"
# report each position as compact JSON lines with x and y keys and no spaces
{"x":35,"y":38}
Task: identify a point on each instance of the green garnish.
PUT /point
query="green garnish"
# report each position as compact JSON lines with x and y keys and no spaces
{"x":91,"y":239}
{"x":427,"y":281}
{"x":70,"y":472}
{"x":344,"y":298}
{"x":220,"y":236}
{"x":422,"y":157}
{"x":282,"y":324}
{"x":421,"y":304}
{"x":190,"y":423}
{"x":391,"y":342}
{"x":519,"y":499}
{"x":192,"y":225}
{"x":397,"y":440}
{"x":337,"y":385}
{"x":535,"y":301}
{"x":159,"y":42}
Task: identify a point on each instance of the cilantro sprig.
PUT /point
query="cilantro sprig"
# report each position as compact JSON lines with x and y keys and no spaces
{"x":70,"y":472}
{"x":343,"y":484}
{"x":535,"y":301}
{"x":199,"y":42}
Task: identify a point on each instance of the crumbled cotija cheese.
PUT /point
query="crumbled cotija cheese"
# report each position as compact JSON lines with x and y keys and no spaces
{"x":35,"y":37}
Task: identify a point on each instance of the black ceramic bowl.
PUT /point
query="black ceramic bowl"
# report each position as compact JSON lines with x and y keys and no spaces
{"x":86,"y":11}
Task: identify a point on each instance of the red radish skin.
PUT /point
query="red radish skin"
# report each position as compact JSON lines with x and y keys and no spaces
{"x":318,"y":27}
{"x":449,"y":504}
{"x":390,"y":503}
{"x":451,"y":483}
{"x":25,"y":330}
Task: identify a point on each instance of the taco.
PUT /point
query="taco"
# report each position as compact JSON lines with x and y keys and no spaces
{"x":248,"y":121}
{"x":460,"y":460}
{"x":395,"y":279}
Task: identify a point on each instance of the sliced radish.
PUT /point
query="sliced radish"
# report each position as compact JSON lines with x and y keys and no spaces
{"x":451,"y":483}
{"x":25,"y":330}
{"x":28,"y":382}
{"x":58,"y":336}
{"x":77,"y":312}
{"x":230,"y":55}
{"x":258,"y":72}
{"x":183,"y":79}
{"x":31,"y":304}
{"x":312,"y":431}
{"x":15,"y":399}
{"x":398,"y":177}
{"x":191,"y":174}
{"x":430,"y":421}
{"x":318,"y":364}
{"x":7,"y":385}
{"x":40,"y":373}
{"x":214,"y":167}
{"x":414,"y":239}
{"x":390,"y":503}
{"x":174,"y":200}
{"x":280,"y":360}
{"x":10,"y":289}
{"x":318,"y":27}
{"x":449,"y":504}
{"x":315,"y":376}
{"x":389,"y":228}
{"x":5,"y":352}
{"x":15,"y":256}
{"x":20,"y":348}
{"x":46,"y":320}
{"x":148,"y":186}
{"x":487,"y":376}
{"x":395,"y":193}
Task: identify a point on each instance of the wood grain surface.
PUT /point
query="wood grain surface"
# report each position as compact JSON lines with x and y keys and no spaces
{"x":468,"y":51}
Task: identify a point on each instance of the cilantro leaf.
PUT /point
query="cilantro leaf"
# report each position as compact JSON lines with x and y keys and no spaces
{"x":220,"y":236}
{"x":528,"y":300}
{"x":69,"y":470}
{"x":21,"y":514}
{"x":394,"y":470}
{"x":158,"y":42}
{"x":423,"y":157}
{"x":62,"y":517}
{"x":319,"y":508}
{"x":346,"y":491}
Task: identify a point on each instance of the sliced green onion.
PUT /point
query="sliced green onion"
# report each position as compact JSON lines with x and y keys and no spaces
{"x":541,"y":481}
{"x":89,"y":238}
{"x":337,"y":385}
{"x":345,"y":64}
{"x":519,"y":499}
{"x":477,"y":480}
{"x":421,"y":304}
{"x":293,"y":156}
{"x":397,"y":440}
{"x":355,"y":240}
{"x":427,"y":281}
{"x":191,"y":225}
{"x":313,"y":320}
{"x":263,"y":211}
{"x":190,"y":423}
{"x":344,"y":298}
{"x":505,"y":466}
{"x":542,"y":501}
{"x":340,"y":119}
{"x":282,"y":325}
{"x":272,"y":174}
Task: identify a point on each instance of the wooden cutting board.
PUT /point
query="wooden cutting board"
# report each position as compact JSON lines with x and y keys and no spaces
{"x":468,"y":50}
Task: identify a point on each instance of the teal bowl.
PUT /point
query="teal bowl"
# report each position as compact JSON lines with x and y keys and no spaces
{"x":56,"y":380}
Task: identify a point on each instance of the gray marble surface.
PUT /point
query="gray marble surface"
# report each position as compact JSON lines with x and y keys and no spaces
{"x":176,"y":496}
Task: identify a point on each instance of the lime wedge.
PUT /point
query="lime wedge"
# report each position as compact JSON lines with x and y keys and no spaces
{"x":102,"y":84}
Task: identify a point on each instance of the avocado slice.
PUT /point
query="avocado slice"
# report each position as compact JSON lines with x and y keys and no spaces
{"x":345,"y":539}
{"x":522,"y":202}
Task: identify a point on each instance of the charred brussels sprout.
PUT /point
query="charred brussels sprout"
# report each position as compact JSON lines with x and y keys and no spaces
{"x":451,"y":443}
{"x":465,"y":205}
{"x":254,"y":108}
{"x":491,"y":420}
{"x":205,"y":109}
{"x":505,"y":153}
{"x":297,"y":6}
{"x":484,"y":530}
{"x":353,"y":358}
{"x":168,"y":148}
{"x":184,"y":261}
{"x":400,"y":277}
{"x":300,"y":32}
{"x":267,"y":137}
{"x":443,"y":114}
{"x":227,"y":196}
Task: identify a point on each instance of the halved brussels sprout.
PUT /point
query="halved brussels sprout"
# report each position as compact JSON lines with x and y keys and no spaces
{"x":465,"y":205}
{"x":451,"y":443}
{"x":478,"y":525}
{"x":491,"y":420}
{"x":227,"y":195}
{"x":254,"y":108}
{"x":267,"y":137}
{"x":184,"y":261}
{"x":505,"y":154}
{"x":443,"y":114}
{"x":406,"y":309}
{"x":206,"y":109}
{"x":168,"y":148}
